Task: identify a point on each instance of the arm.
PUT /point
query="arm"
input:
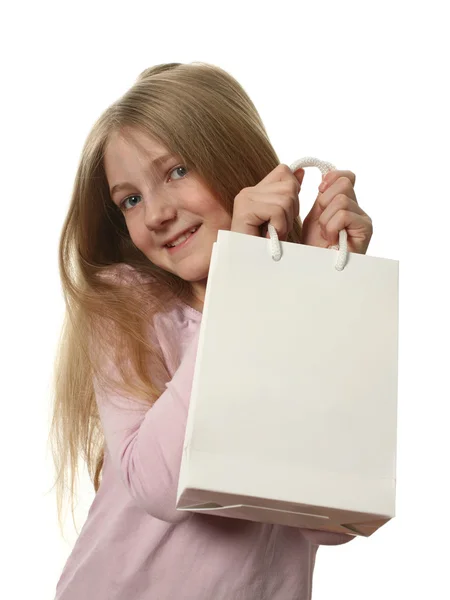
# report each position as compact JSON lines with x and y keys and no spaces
{"x":146,"y":445}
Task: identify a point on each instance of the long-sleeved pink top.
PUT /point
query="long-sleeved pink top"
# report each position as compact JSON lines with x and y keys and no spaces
{"x":135,"y":545}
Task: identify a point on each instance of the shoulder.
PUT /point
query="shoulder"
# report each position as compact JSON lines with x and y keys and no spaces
{"x":169,"y":312}
{"x":123,"y":274}
{"x":178,"y":317}
{"x":174,"y":329}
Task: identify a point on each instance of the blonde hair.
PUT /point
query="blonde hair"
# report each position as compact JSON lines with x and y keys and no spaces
{"x":201,"y":113}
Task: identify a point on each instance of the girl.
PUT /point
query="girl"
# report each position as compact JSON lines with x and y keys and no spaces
{"x":181,"y":155}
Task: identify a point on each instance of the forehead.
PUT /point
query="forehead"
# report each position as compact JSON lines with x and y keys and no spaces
{"x":133,"y":143}
{"x":133,"y":152}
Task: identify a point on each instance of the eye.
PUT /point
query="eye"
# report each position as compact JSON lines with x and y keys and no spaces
{"x":131,"y":198}
{"x":177,"y":169}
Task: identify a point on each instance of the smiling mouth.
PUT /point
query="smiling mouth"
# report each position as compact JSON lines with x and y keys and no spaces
{"x":183,"y":238}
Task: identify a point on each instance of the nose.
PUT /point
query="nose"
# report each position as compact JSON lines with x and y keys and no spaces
{"x":158,"y":213}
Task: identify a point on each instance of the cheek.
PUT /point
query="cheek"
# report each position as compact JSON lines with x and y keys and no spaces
{"x":223,"y":220}
{"x":140,"y":238}
{"x":217,"y":216}
{"x":208,"y":206}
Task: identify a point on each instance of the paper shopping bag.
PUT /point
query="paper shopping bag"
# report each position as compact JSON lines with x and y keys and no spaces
{"x":292,"y":418}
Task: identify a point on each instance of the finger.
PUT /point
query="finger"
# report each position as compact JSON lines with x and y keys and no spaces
{"x":281,"y":193}
{"x":341,"y":186}
{"x":343,"y":219}
{"x":280,"y":173}
{"x":277,"y":217}
{"x":249,"y":203}
{"x":258,"y":213}
{"x":325,"y":197}
{"x":299,"y":174}
{"x":339,"y":202}
{"x":329,"y":178}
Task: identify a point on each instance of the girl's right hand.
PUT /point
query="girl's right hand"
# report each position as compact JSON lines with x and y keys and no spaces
{"x":274,"y":199}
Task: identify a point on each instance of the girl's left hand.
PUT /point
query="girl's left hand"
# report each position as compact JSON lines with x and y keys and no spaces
{"x":336,"y":208}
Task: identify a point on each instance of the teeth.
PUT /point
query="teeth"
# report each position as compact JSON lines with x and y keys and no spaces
{"x":182,"y":238}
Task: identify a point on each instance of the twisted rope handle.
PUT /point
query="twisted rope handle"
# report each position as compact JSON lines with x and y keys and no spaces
{"x":324,"y":167}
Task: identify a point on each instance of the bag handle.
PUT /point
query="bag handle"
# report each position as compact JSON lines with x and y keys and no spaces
{"x":324,"y":167}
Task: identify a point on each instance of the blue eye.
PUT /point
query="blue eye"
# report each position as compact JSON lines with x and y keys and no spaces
{"x":130,"y":198}
{"x":182,"y":168}
{"x":126,"y":200}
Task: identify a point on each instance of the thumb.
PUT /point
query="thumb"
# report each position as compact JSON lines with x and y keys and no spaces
{"x":315,"y":212}
{"x":299,"y":174}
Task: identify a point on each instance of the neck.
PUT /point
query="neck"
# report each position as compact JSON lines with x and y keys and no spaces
{"x":198,"y":295}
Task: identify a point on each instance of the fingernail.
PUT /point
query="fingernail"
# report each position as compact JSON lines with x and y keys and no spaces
{"x":323,"y":186}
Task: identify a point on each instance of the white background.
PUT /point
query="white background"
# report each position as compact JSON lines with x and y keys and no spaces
{"x":362,"y":85}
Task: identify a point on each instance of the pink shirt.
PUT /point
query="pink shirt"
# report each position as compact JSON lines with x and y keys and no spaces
{"x":135,"y":545}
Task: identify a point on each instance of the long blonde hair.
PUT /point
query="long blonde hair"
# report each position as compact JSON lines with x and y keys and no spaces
{"x":201,"y":113}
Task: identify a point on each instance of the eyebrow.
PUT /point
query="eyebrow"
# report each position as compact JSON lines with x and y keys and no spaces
{"x":157,"y":162}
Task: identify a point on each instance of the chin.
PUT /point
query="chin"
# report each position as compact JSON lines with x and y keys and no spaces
{"x":193,"y":271}
{"x":194,"y":276}
{"x":194,"y":268}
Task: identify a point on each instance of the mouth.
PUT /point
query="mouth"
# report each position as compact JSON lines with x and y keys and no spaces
{"x":183,"y":240}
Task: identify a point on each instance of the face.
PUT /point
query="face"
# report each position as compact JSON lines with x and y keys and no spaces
{"x":171,"y":215}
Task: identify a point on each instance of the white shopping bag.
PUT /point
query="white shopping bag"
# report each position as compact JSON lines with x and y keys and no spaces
{"x":293,"y":410}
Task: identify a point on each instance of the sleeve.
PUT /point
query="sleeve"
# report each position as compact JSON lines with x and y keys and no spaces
{"x":145,"y":444}
{"x":325,"y":538}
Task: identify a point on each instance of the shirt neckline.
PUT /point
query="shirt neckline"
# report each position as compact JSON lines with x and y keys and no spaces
{"x":189,"y":309}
